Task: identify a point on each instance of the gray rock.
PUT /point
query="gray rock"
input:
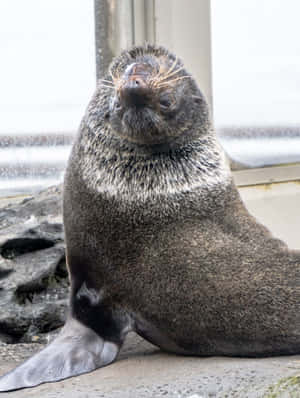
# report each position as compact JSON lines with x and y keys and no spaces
{"x":33,"y":275}
{"x":44,"y":206}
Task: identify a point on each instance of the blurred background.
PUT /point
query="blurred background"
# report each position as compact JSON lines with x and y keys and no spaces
{"x":48,"y":73}
{"x":245,"y":56}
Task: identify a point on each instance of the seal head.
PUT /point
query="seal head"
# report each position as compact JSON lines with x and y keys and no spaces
{"x":154,"y":99}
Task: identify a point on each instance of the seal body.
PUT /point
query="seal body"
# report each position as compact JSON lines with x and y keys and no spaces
{"x":158,"y":239}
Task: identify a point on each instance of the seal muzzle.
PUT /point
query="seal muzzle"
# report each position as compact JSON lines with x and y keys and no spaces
{"x":134,"y":89}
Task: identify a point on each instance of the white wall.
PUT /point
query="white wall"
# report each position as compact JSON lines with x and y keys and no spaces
{"x":276,"y":206}
{"x":256,"y":62}
{"x":47,"y":64}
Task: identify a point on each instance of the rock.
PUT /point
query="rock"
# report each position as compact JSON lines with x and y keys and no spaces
{"x":33,"y":275}
{"x":39,"y":236}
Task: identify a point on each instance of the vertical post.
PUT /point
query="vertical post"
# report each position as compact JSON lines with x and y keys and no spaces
{"x":103,"y":50}
{"x":114,"y":30}
{"x":144,"y":21}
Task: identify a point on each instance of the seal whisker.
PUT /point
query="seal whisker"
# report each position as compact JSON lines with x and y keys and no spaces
{"x":114,"y":78}
{"x":172,"y":66}
{"x":104,"y":85}
{"x":161,"y":71}
{"x":106,"y":81}
{"x":164,"y":78}
{"x":161,"y":75}
{"x":164,"y":83}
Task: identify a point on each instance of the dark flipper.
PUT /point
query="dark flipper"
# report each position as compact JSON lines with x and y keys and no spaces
{"x":78,"y":349}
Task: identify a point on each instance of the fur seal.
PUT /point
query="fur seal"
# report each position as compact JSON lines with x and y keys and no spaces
{"x":158,"y":239}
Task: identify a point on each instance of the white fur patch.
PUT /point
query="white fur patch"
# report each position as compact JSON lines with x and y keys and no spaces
{"x":196,"y":177}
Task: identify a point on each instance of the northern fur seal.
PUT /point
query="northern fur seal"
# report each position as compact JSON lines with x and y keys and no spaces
{"x":158,"y":239}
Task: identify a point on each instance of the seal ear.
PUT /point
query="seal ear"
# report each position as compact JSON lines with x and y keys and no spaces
{"x":76,"y":350}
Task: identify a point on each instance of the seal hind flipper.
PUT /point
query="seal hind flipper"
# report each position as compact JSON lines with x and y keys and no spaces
{"x":77,"y":349}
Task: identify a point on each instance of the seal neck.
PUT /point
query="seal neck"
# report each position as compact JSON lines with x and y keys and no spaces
{"x":121,"y":169}
{"x":101,"y":138}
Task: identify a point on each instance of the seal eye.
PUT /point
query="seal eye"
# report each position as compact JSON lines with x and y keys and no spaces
{"x":117,"y":104}
{"x":165,"y":102}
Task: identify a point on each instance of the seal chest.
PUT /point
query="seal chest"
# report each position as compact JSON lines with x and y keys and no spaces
{"x":158,"y":239}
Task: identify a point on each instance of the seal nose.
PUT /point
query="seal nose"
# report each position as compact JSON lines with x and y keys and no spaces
{"x":135,"y":90}
{"x":136,"y":82}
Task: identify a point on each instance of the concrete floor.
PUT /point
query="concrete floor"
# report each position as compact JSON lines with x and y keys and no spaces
{"x":144,"y":371}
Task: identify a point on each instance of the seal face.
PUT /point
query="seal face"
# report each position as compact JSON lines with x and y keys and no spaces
{"x":149,"y":106}
{"x":158,"y":239}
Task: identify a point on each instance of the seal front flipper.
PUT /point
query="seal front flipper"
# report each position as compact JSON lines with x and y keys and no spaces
{"x":76,"y":350}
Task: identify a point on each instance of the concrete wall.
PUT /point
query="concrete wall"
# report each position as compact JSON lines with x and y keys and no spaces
{"x":277,"y":207}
